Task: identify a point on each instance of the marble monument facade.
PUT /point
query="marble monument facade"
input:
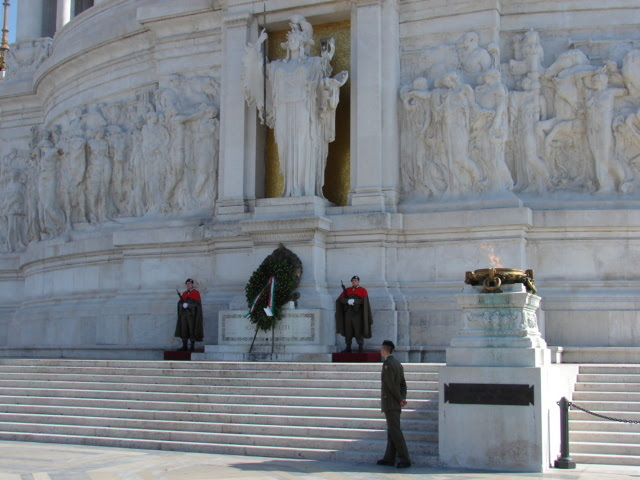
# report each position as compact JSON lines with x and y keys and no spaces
{"x":482,"y":133}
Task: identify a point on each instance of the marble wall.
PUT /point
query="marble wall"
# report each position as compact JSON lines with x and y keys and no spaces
{"x":482,"y":133}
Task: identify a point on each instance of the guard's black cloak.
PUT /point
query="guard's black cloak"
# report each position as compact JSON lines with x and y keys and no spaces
{"x":362,"y":310}
{"x":194,"y":308}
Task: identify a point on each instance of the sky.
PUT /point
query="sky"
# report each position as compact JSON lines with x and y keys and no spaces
{"x":13,"y":10}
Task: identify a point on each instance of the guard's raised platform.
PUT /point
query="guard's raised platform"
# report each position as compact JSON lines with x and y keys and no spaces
{"x":364,"y":357}
{"x":181,"y":354}
{"x":301,"y":335}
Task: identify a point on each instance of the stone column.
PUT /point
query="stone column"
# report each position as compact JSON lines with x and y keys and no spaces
{"x":375,"y":67}
{"x":238,"y":124}
{"x":63,"y":14}
{"x":29,"y":20}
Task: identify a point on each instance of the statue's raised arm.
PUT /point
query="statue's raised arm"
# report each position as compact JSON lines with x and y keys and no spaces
{"x":253,"y":74}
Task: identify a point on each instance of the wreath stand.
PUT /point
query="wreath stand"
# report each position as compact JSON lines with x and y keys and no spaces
{"x":273,"y":338}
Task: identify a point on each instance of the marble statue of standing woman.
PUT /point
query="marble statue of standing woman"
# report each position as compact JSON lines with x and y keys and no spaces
{"x":452,"y":104}
{"x":295,"y":89}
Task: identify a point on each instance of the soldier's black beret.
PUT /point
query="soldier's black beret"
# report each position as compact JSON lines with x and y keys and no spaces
{"x":389,"y":343}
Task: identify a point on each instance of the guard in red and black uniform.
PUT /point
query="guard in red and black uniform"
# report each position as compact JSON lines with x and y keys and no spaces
{"x":353,"y":314}
{"x":189,"y":324}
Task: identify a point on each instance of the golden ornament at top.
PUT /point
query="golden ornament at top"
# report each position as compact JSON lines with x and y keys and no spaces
{"x":493,"y":278}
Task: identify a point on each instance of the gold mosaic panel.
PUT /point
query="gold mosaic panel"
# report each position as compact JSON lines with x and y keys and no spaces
{"x":337,"y":172}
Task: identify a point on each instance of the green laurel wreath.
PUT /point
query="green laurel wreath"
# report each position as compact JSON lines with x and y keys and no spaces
{"x":283,"y":269}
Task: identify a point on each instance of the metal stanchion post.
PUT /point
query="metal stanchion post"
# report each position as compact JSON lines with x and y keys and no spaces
{"x":565,"y":460}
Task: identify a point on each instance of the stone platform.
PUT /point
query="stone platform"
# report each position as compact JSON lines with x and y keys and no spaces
{"x":34,"y":460}
{"x":301,"y":335}
{"x":353,"y":357}
{"x":181,"y":355}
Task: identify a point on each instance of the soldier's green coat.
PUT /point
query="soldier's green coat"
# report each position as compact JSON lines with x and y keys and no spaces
{"x":361,"y":313}
{"x":393,"y":391}
{"x":394,"y":386}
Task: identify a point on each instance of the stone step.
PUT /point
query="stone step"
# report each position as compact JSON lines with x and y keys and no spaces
{"x":244,"y":395}
{"x":280,"y":387}
{"x":191,"y":366}
{"x":612,"y":391}
{"x":605,"y":448}
{"x":632,"y":369}
{"x":280,"y":409}
{"x":344,"y":455}
{"x":609,"y":379}
{"x":631,"y":398}
{"x":9,"y":372}
{"x":420,"y":448}
{"x":606,"y":437}
{"x":378,"y":423}
{"x":594,"y":424}
{"x":428,"y":410}
{"x":600,"y":409}
{"x":601,"y":459}
{"x":609,"y":386}
{"x":331,"y":430}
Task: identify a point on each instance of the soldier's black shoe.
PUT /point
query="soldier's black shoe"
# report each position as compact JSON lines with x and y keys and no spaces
{"x":347,"y":350}
{"x":403,"y":465}
{"x":387,"y":463}
{"x":193,"y":346}
{"x":184,"y":348}
{"x":360,"y":348}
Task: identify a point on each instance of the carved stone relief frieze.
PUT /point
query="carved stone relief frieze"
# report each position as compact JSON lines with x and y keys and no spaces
{"x":23,"y":58}
{"x":156,"y":154}
{"x":571,"y":126}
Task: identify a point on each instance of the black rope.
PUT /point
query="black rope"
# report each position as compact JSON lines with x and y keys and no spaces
{"x":571,"y":404}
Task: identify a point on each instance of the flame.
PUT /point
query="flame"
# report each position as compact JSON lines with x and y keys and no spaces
{"x":494,"y":260}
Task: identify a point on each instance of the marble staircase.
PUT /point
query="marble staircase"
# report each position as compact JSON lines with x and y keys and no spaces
{"x":293,"y":410}
{"x":612,"y":391}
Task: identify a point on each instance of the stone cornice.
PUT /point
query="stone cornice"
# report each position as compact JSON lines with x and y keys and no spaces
{"x":373,"y":3}
{"x":171,"y":10}
{"x":237,"y":19}
{"x":298,"y":229}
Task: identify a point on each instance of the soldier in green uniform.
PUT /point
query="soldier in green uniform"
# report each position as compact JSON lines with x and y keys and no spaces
{"x":393,"y":398}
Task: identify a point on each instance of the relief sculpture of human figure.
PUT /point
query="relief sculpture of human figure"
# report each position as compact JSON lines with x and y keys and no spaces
{"x":599,"y":110}
{"x":301,"y":97}
{"x":50,"y":216}
{"x":452,"y":102}
{"x":13,"y":184}
{"x":490,"y":130}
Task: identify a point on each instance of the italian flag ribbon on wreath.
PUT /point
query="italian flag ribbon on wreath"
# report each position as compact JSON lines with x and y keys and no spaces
{"x":269,"y":288}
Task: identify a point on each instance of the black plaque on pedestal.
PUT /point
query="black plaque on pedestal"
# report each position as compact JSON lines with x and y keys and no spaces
{"x":488,"y":394}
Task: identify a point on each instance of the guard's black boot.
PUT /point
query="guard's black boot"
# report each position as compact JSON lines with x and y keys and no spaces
{"x":184,"y":346}
{"x":360,"y":348}
{"x":348,"y":349}
{"x":193,"y":345}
